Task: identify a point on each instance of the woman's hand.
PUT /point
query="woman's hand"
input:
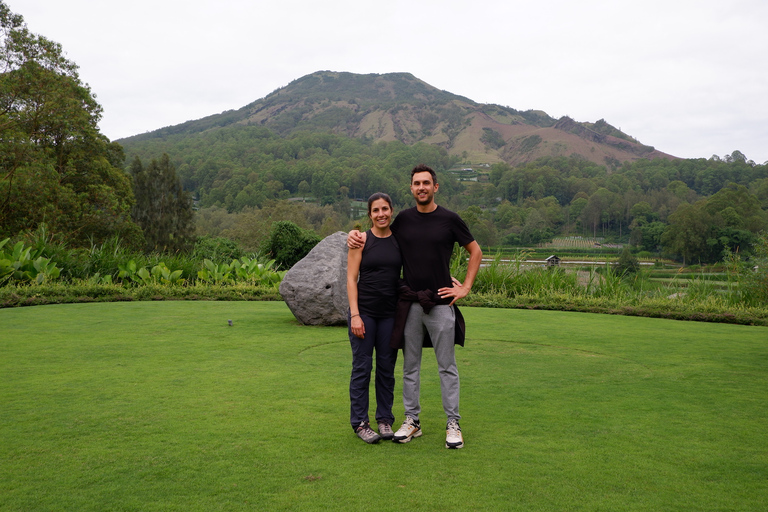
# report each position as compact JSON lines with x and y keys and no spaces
{"x":357,"y":326}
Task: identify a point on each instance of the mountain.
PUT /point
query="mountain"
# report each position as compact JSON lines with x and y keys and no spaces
{"x":399,"y":106}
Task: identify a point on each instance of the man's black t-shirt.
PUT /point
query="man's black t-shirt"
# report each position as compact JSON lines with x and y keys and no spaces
{"x":426,"y":243}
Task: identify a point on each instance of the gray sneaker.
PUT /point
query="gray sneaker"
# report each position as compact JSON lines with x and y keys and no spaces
{"x":365,"y":433}
{"x":453,"y":437}
{"x":385,"y":431}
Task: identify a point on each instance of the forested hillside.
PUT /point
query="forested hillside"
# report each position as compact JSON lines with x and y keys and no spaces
{"x":688,"y":209}
{"x":309,"y":151}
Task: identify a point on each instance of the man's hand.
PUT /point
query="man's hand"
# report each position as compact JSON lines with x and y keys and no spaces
{"x":356,"y":239}
{"x":457,"y":291}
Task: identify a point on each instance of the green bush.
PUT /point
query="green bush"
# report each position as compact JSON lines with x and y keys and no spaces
{"x":253,"y":271}
{"x":216,"y":249}
{"x":245,"y":270}
{"x":288,"y":243}
{"x":100,"y":259}
{"x":25,"y":264}
{"x":215,"y":273}
{"x":627,"y":264}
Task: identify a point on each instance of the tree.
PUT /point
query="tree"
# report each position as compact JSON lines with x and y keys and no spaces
{"x":493,"y":138}
{"x":576,"y":208}
{"x":535,"y":229}
{"x":480,"y":225}
{"x":304,"y":189}
{"x":601,"y":208}
{"x":57,"y":169}
{"x":680,"y":190}
{"x":650,"y":236}
{"x":162,"y":209}
{"x":627,"y":263}
{"x":288,"y":243}
{"x":739,"y":207}
{"x":642,"y":212}
{"x":689,"y":228}
{"x":760,"y":189}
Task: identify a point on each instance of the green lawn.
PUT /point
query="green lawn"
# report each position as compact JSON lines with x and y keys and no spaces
{"x":163,"y":406}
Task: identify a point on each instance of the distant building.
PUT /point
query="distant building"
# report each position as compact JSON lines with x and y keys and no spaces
{"x":553,"y":261}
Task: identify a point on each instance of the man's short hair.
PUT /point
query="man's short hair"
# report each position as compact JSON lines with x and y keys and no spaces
{"x":424,"y":168}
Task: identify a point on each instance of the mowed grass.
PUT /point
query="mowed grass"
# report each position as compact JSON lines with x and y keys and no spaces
{"x":164,"y":406}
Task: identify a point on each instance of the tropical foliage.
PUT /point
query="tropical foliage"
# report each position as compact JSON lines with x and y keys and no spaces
{"x":21,"y":264}
{"x":42,"y":260}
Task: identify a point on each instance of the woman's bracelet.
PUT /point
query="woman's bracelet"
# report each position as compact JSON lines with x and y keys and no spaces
{"x":353,"y":316}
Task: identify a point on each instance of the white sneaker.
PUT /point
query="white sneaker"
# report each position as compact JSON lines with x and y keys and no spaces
{"x":453,"y":437}
{"x":410,"y":429}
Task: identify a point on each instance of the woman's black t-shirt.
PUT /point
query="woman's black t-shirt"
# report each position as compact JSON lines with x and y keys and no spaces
{"x":379,"y":272}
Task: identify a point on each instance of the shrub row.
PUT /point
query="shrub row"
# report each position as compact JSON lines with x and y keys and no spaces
{"x":712,"y":309}
{"x":674,"y":309}
{"x":69,"y":293}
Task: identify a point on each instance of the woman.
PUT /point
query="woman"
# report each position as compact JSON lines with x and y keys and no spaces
{"x":372,"y":274}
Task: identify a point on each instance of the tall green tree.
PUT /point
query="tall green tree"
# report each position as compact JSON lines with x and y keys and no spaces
{"x":55,"y":167}
{"x":649,"y":236}
{"x":601,"y":208}
{"x":163,"y":209}
{"x":738,"y":208}
{"x":689,"y":228}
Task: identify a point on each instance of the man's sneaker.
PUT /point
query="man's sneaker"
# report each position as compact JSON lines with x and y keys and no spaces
{"x":385,"y":431}
{"x":410,"y":429}
{"x":453,"y":437}
{"x":365,"y":433}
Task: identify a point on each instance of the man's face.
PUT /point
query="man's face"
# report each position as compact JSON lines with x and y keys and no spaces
{"x":423,"y":188}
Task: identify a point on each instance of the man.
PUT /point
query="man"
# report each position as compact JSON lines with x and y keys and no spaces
{"x":426,"y":235}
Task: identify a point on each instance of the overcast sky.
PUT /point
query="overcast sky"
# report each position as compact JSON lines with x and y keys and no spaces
{"x":686,"y":76}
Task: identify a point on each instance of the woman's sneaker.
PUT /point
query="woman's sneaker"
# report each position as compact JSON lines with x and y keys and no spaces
{"x":410,"y":429}
{"x":453,"y":437}
{"x":365,"y":433}
{"x":385,"y":431}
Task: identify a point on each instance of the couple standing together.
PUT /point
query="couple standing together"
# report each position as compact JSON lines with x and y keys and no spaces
{"x":385,"y":314}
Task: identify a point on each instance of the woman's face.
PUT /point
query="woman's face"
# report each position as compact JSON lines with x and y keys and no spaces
{"x":381,"y":213}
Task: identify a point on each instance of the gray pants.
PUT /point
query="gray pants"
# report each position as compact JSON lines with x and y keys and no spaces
{"x":440,"y":323}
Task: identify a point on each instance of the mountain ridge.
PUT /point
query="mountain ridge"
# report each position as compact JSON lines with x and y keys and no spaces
{"x":400,"y":107}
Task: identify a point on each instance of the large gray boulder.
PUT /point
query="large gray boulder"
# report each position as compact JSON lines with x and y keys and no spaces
{"x":315,"y":288}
